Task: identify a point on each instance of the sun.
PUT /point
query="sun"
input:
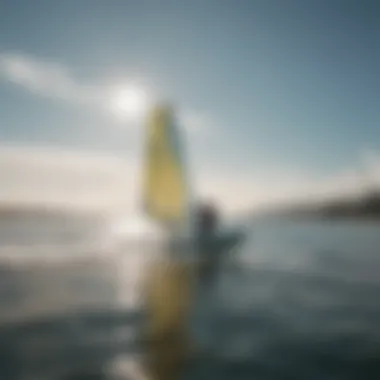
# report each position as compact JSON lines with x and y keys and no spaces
{"x":129,"y":102}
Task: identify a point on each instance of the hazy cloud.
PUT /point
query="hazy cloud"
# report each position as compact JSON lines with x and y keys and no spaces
{"x":107,"y":182}
{"x":194,"y":121}
{"x":43,"y":78}
{"x":78,"y":179}
{"x":271,"y":186}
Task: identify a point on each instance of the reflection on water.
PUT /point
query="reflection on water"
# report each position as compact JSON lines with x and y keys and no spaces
{"x":300,"y":302}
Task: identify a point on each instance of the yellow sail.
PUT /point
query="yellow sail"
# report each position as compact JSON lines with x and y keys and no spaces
{"x":164,"y":188}
{"x":168,"y":292}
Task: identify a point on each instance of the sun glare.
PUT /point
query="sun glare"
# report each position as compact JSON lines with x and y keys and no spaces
{"x":136,"y":226}
{"x":129,"y":103}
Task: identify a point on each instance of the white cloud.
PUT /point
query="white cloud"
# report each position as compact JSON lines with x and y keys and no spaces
{"x":56,"y":81}
{"x":43,"y":78}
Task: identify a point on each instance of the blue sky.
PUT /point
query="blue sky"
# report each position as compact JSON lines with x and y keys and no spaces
{"x":280,"y":95}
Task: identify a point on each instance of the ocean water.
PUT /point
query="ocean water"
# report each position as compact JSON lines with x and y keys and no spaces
{"x":301,"y":301}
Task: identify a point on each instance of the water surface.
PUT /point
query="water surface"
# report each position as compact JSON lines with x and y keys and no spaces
{"x":304,"y":304}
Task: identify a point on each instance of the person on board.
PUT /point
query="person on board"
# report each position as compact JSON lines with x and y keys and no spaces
{"x":212,"y":242}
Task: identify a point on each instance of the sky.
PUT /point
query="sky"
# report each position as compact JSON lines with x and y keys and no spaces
{"x":277,"y":98}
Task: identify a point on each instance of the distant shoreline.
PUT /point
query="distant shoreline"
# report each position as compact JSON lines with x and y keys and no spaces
{"x":365,"y":208}
{"x":356,"y":218}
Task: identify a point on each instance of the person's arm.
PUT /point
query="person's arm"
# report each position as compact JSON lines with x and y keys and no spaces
{"x":231,"y":239}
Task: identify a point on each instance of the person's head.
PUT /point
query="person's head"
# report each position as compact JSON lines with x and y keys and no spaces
{"x":208,"y":217}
